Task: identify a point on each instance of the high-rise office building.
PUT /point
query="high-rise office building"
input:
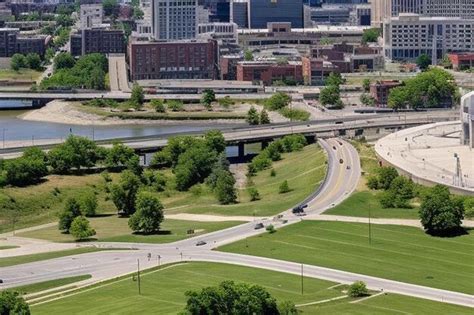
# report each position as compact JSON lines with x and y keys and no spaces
{"x":174,"y":19}
{"x":262,"y":12}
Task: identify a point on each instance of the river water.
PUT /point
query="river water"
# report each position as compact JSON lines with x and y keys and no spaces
{"x":13,"y":128}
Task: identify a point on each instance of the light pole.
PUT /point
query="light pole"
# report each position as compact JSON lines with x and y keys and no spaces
{"x":138,"y":274}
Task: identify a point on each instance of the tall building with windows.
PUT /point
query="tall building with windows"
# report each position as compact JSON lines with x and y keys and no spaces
{"x":262,"y":12}
{"x":174,"y":19}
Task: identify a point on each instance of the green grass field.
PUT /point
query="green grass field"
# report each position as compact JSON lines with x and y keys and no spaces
{"x":11,"y":261}
{"x":114,"y":229}
{"x":359,"y":204}
{"x":163,"y":293}
{"x":21,"y":75}
{"x":400,"y":253}
{"x":46,"y":285}
{"x":304,"y":171}
{"x":8,"y":247}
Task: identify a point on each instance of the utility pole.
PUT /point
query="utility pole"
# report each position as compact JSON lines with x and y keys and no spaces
{"x":138,"y":274}
{"x":159,"y":260}
{"x":302,"y":279}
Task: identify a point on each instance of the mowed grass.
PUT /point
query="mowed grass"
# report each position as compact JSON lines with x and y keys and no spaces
{"x":23,"y":259}
{"x":41,"y":203}
{"x":399,"y":253}
{"x":8,"y":247}
{"x":111,"y":228}
{"x":163,"y":292}
{"x":304,"y":171}
{"x":22,"y":74}
{"x":46,"y":285}
{"x":360,"y":203}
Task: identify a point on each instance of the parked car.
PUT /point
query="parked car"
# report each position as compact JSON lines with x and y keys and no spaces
{"x":259,"y":226}
{"x":341,"y":161}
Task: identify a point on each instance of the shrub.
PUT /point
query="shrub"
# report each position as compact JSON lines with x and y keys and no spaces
{"x":158,"y":105}
{"x":278,"y":101}
{"x":12,"y":303}
{"x":253,"y":193}
{"x":81,"y":229}
{"x":72,"y":209}
{"x":252,"y":116}
{"x":226,"y":102}
{"x":358,"y":289}
{"x":273,"y":172}
{"x":175,"y":105}
{"x":284,"y":187}
{"x":295,"y":114}
{"x":88,"y":204}
{"x":270,"y":229}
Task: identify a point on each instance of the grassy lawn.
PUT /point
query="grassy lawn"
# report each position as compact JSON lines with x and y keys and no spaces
{"x":7,"y":247}
{"x":358,"y":204}
{"x":115,"y":229}
{"x":304,"y":171}
{"x":163,"y":292}
{"x":400,"y":253}
{"x":17,"y":260}
{"x":21,"y":75}
{"x":46,"y":285}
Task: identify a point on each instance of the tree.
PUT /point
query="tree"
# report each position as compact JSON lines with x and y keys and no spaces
{"x":231,"y":298}
{"x":81,"y":229}
{"x":225,"y":190}
{"x":33,"y":61}
{"x":373,"y":182}
{"x":18,"y":61}
{"x":138,"y":96}
{"x":252,"y":116}
{"x":423,"y":61}
{"x":149,"y":214}
{"x":367,"y":100}
{"x":88,"y":204}
{"x":253,"y":193}
{"x":371,"y":35}
{"x":111,"y":7}
{"x":119,"y":155}
{"x":154,"y":180}
{"x":330,"y":95}
{"x":124,"y":193}
{"x":226,"y":102}
{"x":439,"y":213}
{"x":264,"y":118}
{"x":248,"y":55}
{"x":72,"y":209}
{"x":208,"y":96}
{"x":158,"y":105}
{"x":278,"y":101}
{"x":358,"y":289}
{"x":97,"y":79}
{"x":284,"y":188}
{"x":446,"y":62}
{"x":222,"y":164}
{"x":366,"y":85}
{"x":334,"y":79}
{"x":49,"y":54}
{"x":63,"y":61}
{"x":30,"y":168}
{"x":215,"y":141}
{"x":385,"y":177}
{"x":175,"y":105}
{"x":12,"y":303}
{"x":287,"y":308}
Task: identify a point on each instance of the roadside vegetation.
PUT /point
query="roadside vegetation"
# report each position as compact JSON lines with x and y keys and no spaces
{"x":170,"y":284}
{"x":442,"y":263}
{"x":47,"y":285}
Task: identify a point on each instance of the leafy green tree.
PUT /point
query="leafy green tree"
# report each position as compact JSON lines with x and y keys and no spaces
{"x":273,"y":150}
{"x":208,"y":96}
{"x":12,"y":303}
{"x":225,"y":190}
{"x":423,"y":61}
{"x":111,"y":7}
{"x":72,"y":209}
{"x":154,"y":180}
{"x":248,"y":55}
{"x":64,"y":20}
{"x":278,"y":101}
{"x":124,"y":193}
{"x":194,"y":165}
{"x":231,"y":298}
{"x":287,"y":308}
{"x":264,"y":118}
{"x":119,"y":155}
{"x":215,"y":141}
{"x":371,"y":35}
{"x":158,"y":105}
{"x":222,"y":164}
{"x":138,"y":96}
{"x":252,"y":116}
{"x":367,"y":100}
{"x":49,"y":54}
{"x":330,"y":95}
{"x":63,"y":60}
{"x":97,"y":79}
{"x":284,"y":187}
{"x":18,"y":61}
{"x":81,"y":229}
{"x":358,"y":289}
{"x":468,"y":205}
{"x":291,"y":143}
{"x":366,"y":85}
{"x":30,"y":168}
{"x":385,"y":177}
{"x":439,"y":213}
{"x":88,"y":203}
{"x":398,"y":98}
{"x":253,"y":193}
{"x":334,"y":79}
{"x":446,"y":62}
{"x":33,"y":61}
{"x":373,"y":182}
{"x":149,"y":214}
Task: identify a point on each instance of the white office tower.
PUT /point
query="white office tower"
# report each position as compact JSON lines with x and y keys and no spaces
{"x":91,"y":15}
{"x":174,"y":19}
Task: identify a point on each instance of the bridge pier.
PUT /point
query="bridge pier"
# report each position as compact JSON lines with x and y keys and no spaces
{"x":265,"y":144}
{"x":241,"y":150}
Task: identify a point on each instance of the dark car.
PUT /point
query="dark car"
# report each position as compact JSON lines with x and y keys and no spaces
{"x":348,"y":167}
{"x":258,"y":226}
{"x":341,"y":161}
{"x":201,"y":243}
{"x":297,"y":210}
{"x":1,"y":281}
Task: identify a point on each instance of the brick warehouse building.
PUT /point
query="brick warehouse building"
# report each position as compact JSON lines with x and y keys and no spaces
{"x":267,"y":72}
{"x":185,"y":59}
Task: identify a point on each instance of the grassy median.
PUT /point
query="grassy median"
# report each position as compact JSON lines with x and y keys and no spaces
{"x":399,"y":253}
{"x":163,"y":293}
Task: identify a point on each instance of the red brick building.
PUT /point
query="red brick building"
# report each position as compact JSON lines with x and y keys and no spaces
{"x":381,"y":89}
{"x":187,"y":59}
{"x":315,"y":71}
{"x":267,"y":72}
{"x":461,"y":61}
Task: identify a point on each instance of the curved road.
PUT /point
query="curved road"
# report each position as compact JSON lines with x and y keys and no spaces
{"x":340,"y":182}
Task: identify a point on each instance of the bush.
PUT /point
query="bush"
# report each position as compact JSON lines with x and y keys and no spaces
{"x":373,"y":182}
{"x":12,"y":303}
{"x":287,"y":308}
{"x":358,"y":289}
{"x":293,"y":143}
{"x":138,"y":96}
{"x":295,"y":114}
{"x":17,"y":62}
{"x":88,"y":204}
{"x":158,"y":105}
{"x":273,"y":172}
{"x":284,"y":187}
{"x":252,"y":116}
{"x":26,"y":170}
{"x":278,"y":101}
{"x":253,"y":193}
{"x":270,"y":229}
{"x":226,"y":102}
{"x":81,"y":229}
{"x":175,"y":106}
{"x":154,"y":180}
{"x":264,"y":118}
{"x":72,"y":209}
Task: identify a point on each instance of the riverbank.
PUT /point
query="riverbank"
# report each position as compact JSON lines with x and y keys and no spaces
{"x":73,"y":113}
